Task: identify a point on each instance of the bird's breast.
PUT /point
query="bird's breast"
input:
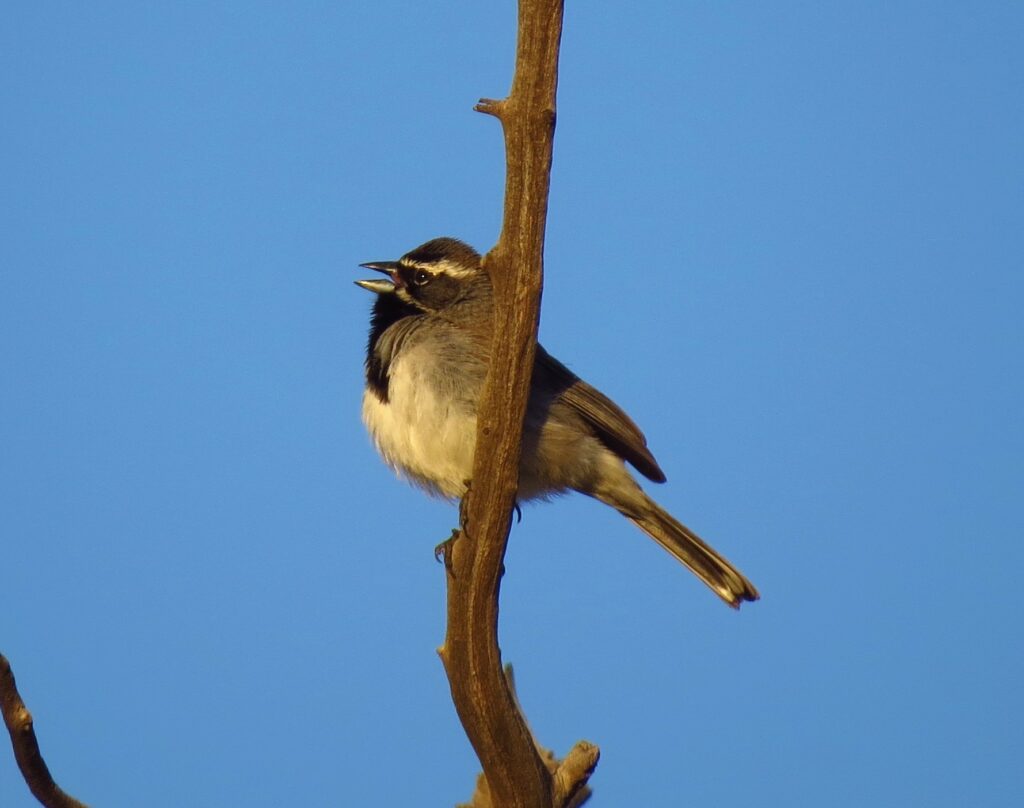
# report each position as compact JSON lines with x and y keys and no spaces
{"x":425,"y":431}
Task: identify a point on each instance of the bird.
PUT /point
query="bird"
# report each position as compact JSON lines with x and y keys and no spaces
{"x":426,"y":358}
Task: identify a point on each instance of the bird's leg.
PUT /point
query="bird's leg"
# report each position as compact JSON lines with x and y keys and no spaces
{"x":443,"y":551}
{"x":464,"y":504}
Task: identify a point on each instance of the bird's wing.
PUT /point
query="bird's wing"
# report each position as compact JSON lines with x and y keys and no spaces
{"x":612,"y":426}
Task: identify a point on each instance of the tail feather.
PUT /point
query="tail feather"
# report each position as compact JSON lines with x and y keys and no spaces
{"x":703,"y":560}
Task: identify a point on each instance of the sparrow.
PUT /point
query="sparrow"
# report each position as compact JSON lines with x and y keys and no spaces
{"x":426,"y":359}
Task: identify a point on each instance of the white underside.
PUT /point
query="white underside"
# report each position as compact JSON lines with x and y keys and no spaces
{"x":420,"y":434}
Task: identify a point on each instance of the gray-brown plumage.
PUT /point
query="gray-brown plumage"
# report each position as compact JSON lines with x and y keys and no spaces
{"x":426,"y":360}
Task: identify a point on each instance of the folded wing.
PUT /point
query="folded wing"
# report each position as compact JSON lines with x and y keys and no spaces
{"x":611,"y":425}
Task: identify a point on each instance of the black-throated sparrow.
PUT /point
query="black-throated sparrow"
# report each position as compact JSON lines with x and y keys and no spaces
{"x":430,"y":337}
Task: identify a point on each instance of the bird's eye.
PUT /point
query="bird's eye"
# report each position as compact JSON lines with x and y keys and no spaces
{"x":421,"y":278}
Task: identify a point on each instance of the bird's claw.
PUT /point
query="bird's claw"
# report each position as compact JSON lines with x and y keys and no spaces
{"x":444,"y":551}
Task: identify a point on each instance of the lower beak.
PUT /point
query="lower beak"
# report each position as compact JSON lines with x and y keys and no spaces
{"x":378,"y":285}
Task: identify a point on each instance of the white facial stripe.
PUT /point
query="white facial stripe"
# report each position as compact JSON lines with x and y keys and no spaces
{"x":444,"y":267}
{"x":455,"y":270}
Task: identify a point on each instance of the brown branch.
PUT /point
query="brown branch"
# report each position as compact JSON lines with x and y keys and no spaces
{"x":516,"y":773}
{"x":570,"y":775}
{"x":26,"y":748}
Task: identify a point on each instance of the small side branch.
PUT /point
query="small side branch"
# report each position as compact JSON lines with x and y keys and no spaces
{"x":26,"y":748}
{"x":569,"y":789}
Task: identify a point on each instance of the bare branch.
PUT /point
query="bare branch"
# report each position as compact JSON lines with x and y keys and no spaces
{"x":26,"y":748}
{"x":516,"y":773}
{"x":570,"y":776}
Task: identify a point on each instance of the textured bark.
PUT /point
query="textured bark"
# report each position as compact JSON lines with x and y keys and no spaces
{"x":515,"y":771}
{"x":26,"y":748}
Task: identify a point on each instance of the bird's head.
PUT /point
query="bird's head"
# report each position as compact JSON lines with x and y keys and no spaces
{"x":428,"y":278}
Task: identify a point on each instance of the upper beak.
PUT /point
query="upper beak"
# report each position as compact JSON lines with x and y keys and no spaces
{"x":381,"y":287}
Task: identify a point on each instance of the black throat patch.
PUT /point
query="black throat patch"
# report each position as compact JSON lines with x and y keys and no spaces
{"x":387,"y":310}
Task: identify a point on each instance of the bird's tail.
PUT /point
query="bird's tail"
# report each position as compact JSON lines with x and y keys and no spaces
{"x":728,"y":583}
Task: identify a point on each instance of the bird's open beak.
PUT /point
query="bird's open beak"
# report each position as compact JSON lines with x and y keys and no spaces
{"x":378,"y":285}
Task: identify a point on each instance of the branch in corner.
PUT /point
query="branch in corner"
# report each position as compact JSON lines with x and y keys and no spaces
{"x":26,"y":748}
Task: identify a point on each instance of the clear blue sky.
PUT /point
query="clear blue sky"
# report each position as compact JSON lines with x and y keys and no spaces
{"x":786,"y":237}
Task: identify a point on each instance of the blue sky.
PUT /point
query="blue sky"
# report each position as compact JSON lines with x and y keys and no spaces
{"x":786,"y":237}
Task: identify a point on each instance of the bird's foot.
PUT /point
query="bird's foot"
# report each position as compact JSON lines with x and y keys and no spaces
{"x":444,"y":551}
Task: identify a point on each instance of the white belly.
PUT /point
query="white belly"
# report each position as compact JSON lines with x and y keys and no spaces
{"x":421,"y":435}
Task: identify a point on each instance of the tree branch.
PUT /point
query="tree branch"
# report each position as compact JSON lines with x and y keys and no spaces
{"x":570,"y":775}
{"x":516,"y":773}
{"x":26,"y":748}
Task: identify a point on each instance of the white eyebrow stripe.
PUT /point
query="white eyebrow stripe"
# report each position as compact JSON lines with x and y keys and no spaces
{"x":444,"y":267}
